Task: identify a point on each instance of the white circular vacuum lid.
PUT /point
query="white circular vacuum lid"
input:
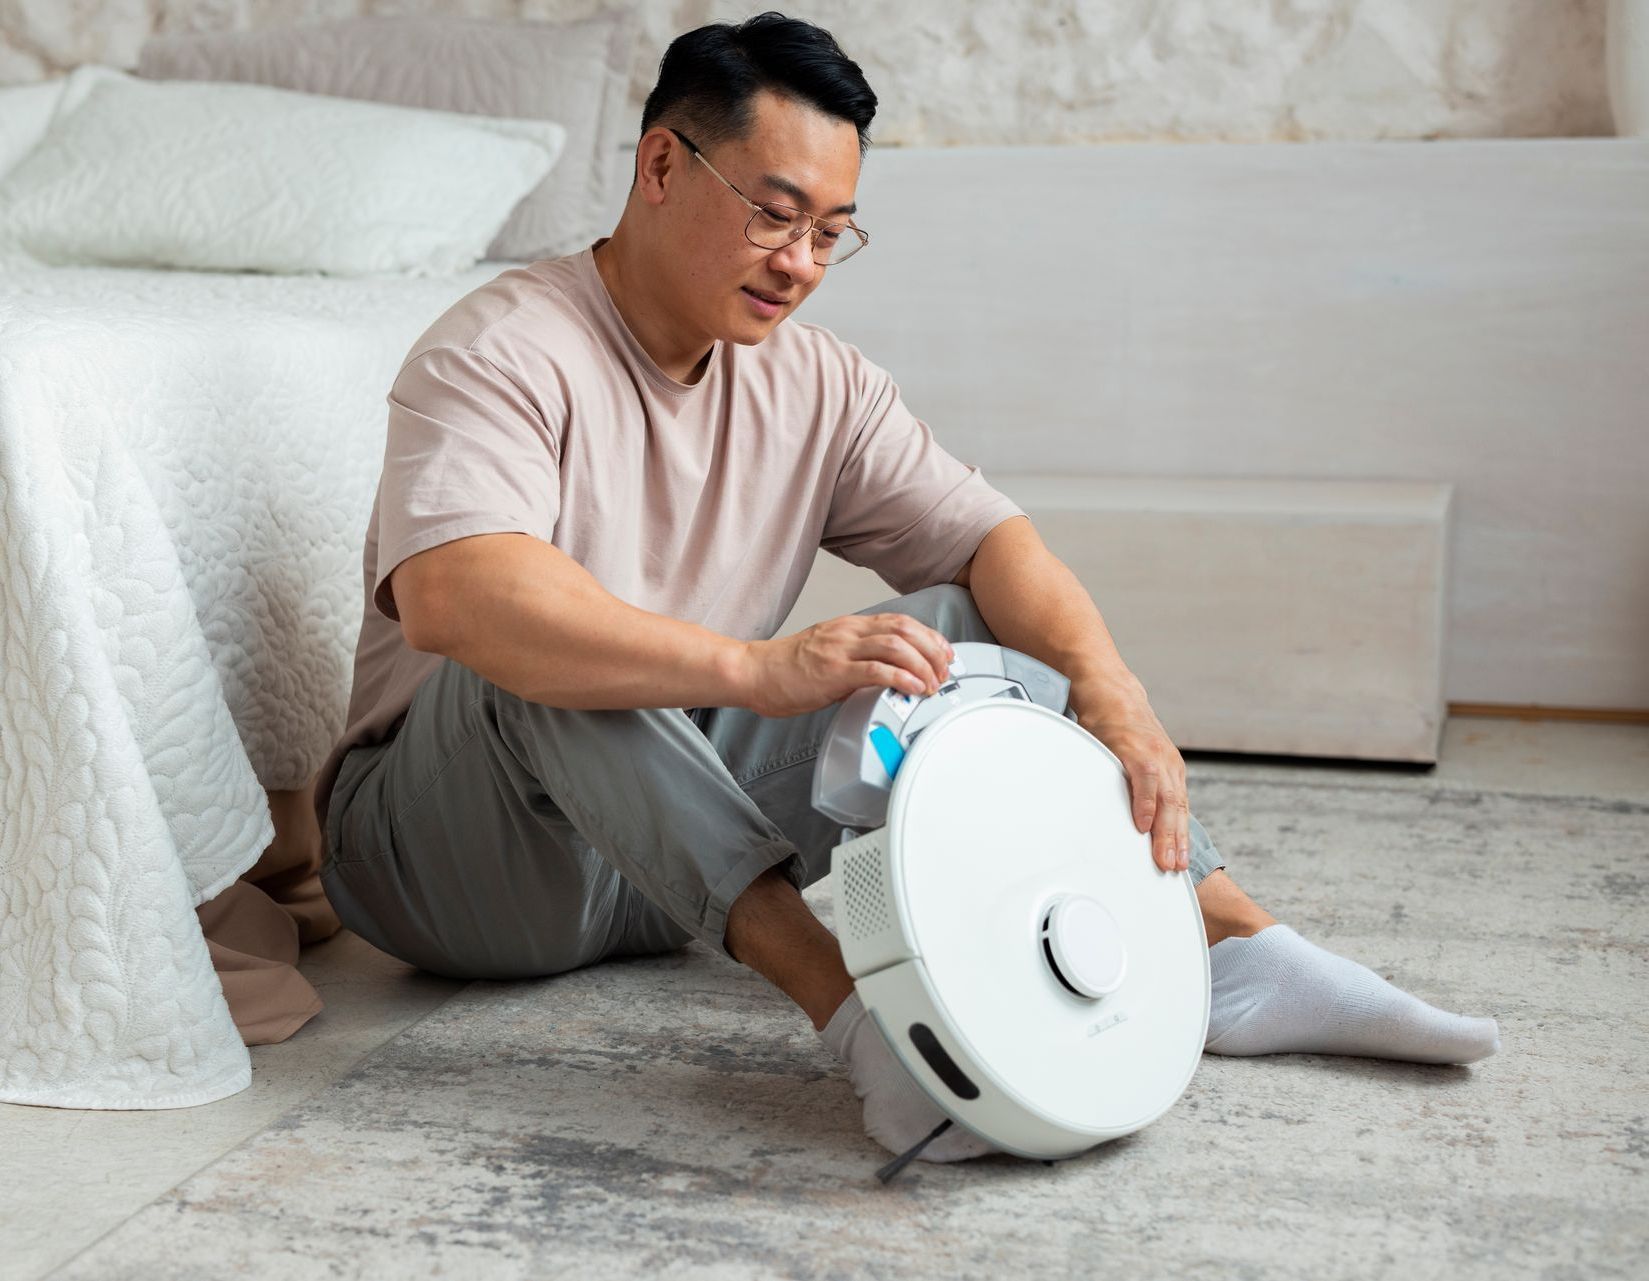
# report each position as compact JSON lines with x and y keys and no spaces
{"x":1070,"y":965}
{"x":1084,"y":945}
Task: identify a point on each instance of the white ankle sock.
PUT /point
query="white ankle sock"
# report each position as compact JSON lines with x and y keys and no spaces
{"x":898,"y":1112}
{"x":1277,"y":993}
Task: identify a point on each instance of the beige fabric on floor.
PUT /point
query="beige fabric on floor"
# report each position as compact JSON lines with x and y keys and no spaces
{"x":255,"y":928}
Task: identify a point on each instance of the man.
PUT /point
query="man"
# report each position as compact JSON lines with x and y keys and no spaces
{"x":605,"y":481}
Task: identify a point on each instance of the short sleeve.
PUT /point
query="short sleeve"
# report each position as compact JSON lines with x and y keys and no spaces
{"x":468,"y":451}
{"x":902,"y":505}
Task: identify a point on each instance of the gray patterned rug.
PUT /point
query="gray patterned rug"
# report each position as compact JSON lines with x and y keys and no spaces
{"x":677,"y":1116}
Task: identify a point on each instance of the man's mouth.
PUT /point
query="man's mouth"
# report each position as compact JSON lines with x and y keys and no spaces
{"x":765,"y":297}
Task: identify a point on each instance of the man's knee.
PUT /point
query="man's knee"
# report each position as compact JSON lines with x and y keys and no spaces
{"x":960,"y":614}
{"x":948,"y":608}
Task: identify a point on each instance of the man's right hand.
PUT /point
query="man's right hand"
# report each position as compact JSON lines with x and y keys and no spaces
{"x":823,"y":664}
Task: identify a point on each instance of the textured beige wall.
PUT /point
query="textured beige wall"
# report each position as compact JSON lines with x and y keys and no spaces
{"x":1051,"y":71}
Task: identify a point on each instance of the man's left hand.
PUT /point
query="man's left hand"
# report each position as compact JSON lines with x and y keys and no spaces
{"x":1156,"y":771}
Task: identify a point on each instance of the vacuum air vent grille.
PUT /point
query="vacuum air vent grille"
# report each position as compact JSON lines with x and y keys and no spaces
{"x":864,"y":893}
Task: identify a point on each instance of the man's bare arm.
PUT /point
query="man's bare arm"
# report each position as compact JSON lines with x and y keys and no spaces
{"x":1033,"y":602}
{"x":532,"y":620}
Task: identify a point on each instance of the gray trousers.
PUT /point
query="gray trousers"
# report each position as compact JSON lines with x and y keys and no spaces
{"x":494,"y":837}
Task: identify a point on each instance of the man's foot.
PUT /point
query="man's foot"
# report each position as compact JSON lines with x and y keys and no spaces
{"x":898,"y":1112}
{"x":1277,"y":993}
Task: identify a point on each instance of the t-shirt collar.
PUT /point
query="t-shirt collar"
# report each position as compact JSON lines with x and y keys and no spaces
{"x":648,"y":366}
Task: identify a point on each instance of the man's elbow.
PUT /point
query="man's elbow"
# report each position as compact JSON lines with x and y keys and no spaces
{"x":419,"y":631}
{"x":417,"y":602}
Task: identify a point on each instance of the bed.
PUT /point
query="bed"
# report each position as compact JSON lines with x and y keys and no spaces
{"x":187,"y":462}
{"x":192,"y":418}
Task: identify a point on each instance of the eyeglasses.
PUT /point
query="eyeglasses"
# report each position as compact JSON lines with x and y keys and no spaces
{"x":773,"y":226}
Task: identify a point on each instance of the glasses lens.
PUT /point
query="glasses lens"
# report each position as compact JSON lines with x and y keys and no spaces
{"x":775,"y":226}
{"x":836,"y":244}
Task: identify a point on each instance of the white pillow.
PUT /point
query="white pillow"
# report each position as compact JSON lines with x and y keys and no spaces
{"x":25,"y":111}
{"x":213,"y":175}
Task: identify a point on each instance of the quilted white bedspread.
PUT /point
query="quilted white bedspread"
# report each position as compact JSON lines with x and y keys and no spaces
{"x":187,"y":465}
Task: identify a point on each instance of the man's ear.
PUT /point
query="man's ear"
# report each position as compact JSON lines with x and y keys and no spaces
{"x":656,"y":164}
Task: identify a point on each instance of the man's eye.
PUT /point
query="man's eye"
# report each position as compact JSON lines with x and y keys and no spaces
{"x":779,"y":219}
{"x":830,"y":237}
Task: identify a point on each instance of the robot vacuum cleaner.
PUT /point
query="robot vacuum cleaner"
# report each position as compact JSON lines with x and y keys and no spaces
{"x":1001,"y":916}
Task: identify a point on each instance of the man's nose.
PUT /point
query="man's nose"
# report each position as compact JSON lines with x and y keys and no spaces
{"x":796,"y":260}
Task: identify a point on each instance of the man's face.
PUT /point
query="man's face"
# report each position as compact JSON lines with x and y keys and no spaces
{"x":793,"y":144}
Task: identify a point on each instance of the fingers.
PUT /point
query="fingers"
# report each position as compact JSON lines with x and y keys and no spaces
{"x":913,"y":645}
{"x":1160,"y":808}
{"x":1143,"y":776}
{"x":894,"y":677}
{"x":1170,"y":834}
{"x":934,"y":647}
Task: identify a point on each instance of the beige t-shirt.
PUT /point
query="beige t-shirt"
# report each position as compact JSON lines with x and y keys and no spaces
{"x":529,"y":406}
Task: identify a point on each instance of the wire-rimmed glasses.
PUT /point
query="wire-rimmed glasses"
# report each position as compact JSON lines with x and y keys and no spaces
{"x":773,"y":226}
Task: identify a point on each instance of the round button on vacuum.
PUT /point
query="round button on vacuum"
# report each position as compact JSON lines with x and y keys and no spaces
{"x":1082,"y":944}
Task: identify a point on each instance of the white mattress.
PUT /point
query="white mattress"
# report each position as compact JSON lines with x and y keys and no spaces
{"x":187,"y":465}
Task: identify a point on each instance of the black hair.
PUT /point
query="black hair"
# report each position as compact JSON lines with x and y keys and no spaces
{"x":708,"y":76}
